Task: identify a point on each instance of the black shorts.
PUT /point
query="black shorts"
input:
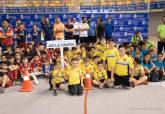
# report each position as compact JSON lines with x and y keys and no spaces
{"x":102,"y":80}
{"x":76,"y":89}
{"x":122,"y":80}
{"x":109,"y":74}
{"x":58,"y":85}
{"x":2,"y":74}
{"x":137,"y":77}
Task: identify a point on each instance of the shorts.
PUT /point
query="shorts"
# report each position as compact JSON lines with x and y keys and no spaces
{"x":121,"y":80}
{"x":76,"y":89}
{"x":137,"y":77}
{"x":2,"y":74}
{"x":58,"y":85}
{"x":109,"y":74}
{"x":102,"y":80}
{"x":10,"y":83}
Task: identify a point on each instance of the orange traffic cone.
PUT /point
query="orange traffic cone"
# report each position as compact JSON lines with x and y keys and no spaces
{"x":87,"y":81}
{"x":27,"y":84}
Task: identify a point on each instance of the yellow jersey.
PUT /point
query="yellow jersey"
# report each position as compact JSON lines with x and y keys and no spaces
{"x":100,"y":75}
{"x":58,"y":76}
{"x":74,"y":75}
{"x":110,"y":56}
{"x":122,"y":65}
{"x":137,"y":70}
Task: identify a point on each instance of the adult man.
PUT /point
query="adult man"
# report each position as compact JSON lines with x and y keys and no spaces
{"x":161,"y":36}
{"x":69,"y":30}
{"x":58,"y":29}
{"x":84,"y":30}
{"x":108,"y":28}
{"x":76,"y":30}
{"x":100,"y":29}
{"x":92,"y":31}
{"x":6,"y":37}
{"x":47,"y":28}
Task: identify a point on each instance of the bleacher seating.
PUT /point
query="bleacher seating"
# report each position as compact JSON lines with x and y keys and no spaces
{"x":52,"y":6}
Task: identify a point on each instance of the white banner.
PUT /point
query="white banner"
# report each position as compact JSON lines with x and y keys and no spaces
{"x":60,"y":43}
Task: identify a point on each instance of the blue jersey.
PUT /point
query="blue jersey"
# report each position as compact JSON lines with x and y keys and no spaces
{"x":159,"y":64}
{"x":134,"y":55}
{"x":49,"y":69}
{"x":144,"y":52}
{"x":147,"y":65}
{"x":108,"y":29}
{"x":21,"y":36}
{"x":92,"y":28}
{"x":35,"y":35}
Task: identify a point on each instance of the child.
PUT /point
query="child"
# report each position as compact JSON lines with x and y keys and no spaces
{"x":87,"y":67}
{"x":109,"y":57}
{"x":94,"y":62}
{"x":160,"y":65}
{"x":13,"y":69}
{"x":47,"y":72}
{"x":153,"y":55}
{"x":5,"y":81}
{"x":100,"y":76}
{"x":58,"y":78}
{"x":36,"y":65}
{"x":136,"y":38}
{"x":144,"y":49}
{"x":28,"y":53}
{"x":150,"y":69}
{"x":139,"y":74}
{"x":75,"y":78}
{"x":26,"y":65}
{"x":137,"y":51}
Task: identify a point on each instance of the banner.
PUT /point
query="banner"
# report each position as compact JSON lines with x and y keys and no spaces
{"x":60,"y":43}
{"x":125,"y":24}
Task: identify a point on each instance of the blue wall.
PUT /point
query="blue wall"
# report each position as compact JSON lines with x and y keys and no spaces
{"x":125,"y":24}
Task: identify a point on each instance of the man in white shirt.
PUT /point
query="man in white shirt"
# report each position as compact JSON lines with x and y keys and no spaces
{"x":76,"y":30}
{"x":83,"y":27}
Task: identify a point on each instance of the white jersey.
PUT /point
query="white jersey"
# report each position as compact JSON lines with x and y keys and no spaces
{"x":76,"y":26}
{"x":84,"y":33}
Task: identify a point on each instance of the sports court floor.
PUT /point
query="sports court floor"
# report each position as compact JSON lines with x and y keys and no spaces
{"x":148,"y":99}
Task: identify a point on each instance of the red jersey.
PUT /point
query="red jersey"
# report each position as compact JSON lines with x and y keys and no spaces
{"x":35,"y":64}
{"x":23,"y":67}
{"x":8,"y":31}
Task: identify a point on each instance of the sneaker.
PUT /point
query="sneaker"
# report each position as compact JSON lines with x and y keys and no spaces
{"x":126,"y":87}
{"x":117,"y":87}
{"x":55,"y":92}
{"x":2,"y":90}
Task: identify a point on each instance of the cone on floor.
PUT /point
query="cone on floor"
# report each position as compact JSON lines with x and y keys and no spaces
{"x":88,"y":81}
{"x":27,"y":84}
